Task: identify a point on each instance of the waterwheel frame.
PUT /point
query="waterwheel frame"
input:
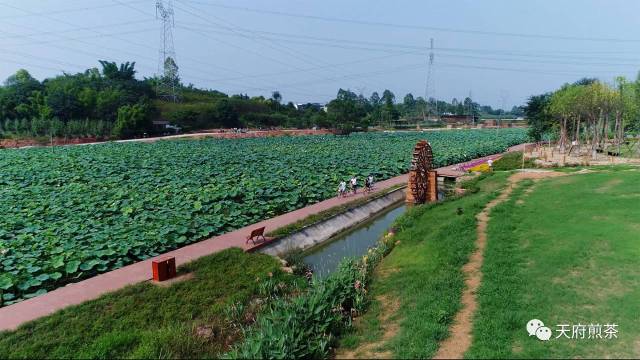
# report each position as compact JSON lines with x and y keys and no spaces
{"x":420,"y":188}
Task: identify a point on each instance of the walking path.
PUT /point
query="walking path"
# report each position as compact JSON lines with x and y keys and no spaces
{"x":219,"y":134}
{"x":460,"y":339}
{"x":14,"y":315}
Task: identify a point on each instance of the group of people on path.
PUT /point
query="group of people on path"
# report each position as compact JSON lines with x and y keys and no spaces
{"x":353,"y":186}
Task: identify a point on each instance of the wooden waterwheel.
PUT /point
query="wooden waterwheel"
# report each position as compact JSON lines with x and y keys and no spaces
{"x":422,"y":178}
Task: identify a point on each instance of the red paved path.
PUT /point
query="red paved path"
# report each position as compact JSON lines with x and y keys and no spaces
{"x":14,"y":315}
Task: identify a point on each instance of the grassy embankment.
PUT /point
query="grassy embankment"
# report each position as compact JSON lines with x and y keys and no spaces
{"x":562,"y":250}
{"x":422,"y":277}
{"x":565,"y":251}
{"x":186,"y":320}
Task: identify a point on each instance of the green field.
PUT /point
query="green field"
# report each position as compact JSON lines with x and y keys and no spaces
{"x":189,"y":319}
{"x":423,"y":274}
{"x":72,"y":212}
{"x":565,"y":251}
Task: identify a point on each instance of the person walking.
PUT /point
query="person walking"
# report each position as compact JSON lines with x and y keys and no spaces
{"x":354,"y":184}
{"x":342,"y":189}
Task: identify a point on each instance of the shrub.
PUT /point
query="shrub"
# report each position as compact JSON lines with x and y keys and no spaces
{"x":132,"y":120}
{"x":306,"y":326}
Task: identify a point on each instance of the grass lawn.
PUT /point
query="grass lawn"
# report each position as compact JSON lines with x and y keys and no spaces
{"x":185,"y":320}
{"x":512,"y":160}
{"x":423,"y":277}
{"x":565,"y":251}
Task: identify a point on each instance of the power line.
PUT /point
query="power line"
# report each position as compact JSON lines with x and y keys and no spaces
{"x":244,"y":49}
{"x":417,"y":27}
{"x":46,"y":16}
{"x":328,"y":66}
{"x":76,"y":50}
{"x":390,"y":47}
{"x":118,"y":2}
{"x":239,"y":31}
{"x":273,"y":45}
{"x":23,"y":54}
{"x":517,"y":70}
{"x":186,"y":59}
{"x":66,"y":11}
{"x":44,"y":33}
{"x":22,"y":63}
{"x":78,"y":38}
{"x":138,"y":10}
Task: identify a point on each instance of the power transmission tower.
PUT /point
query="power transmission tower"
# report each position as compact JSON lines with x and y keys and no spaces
{"x":168,"y":79}
{"x":430,"y":88}
{"x":470,"y":108}
{"x":504,"y":95}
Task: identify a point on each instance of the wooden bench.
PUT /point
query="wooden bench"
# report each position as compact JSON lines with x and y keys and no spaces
{"x":256,"y":234}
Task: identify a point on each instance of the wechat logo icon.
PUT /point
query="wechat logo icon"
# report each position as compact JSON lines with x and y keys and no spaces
{"x":537,"y":328}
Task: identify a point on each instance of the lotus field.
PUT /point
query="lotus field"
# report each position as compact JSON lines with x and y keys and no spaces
{"x":68,"y":213}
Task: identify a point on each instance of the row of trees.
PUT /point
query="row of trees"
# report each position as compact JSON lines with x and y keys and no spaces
{"x":201,"y":109}
{"x":587,"y":112}
{"x":111,"y":102}
{"x":94,"y":102}
{"x":349,"y":109}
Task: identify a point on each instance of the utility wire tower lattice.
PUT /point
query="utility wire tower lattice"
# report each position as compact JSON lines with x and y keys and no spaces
{"x":430,"y":88}
{"x":423,"y":179}
{"x":168,"y":79}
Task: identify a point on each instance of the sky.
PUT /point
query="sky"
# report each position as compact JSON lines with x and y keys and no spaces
{"x":499,"y":52}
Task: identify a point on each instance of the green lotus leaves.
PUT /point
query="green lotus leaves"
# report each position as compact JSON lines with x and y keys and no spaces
{"x":72,"y":212}
{"x":5,"y":282}
{"x":72,"y":266}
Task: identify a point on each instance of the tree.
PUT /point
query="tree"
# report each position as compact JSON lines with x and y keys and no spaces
{"x":409,"y":103}
{"x":389,"y":112}
{"x":275,"y":96}
{"x":388,"y":98}
{"x":562,"y":106}
{"x":375,"y":99}
{"x":132,"y":120}
{"x":345,"y":112}
{"x":15,"y":98}
{"x":170,"y":75}
{"x":125,"y":72}
{"x":225,"y":114}
{"x":537,"y":116}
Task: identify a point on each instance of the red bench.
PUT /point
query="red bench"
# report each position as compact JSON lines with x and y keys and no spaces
{"x":256,"y":234}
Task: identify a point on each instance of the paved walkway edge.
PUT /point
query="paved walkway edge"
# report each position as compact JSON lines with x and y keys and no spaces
{"x":17,"y":314}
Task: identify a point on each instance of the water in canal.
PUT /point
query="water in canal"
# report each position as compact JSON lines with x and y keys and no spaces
{"x":355,"y":242}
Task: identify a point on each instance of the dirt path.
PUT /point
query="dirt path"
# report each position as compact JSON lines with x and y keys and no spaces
{"x":218,"y":134}
{"x":460,"y":338}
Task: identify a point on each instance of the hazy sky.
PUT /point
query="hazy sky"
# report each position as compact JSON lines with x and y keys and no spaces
{"x":499,"y":51}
